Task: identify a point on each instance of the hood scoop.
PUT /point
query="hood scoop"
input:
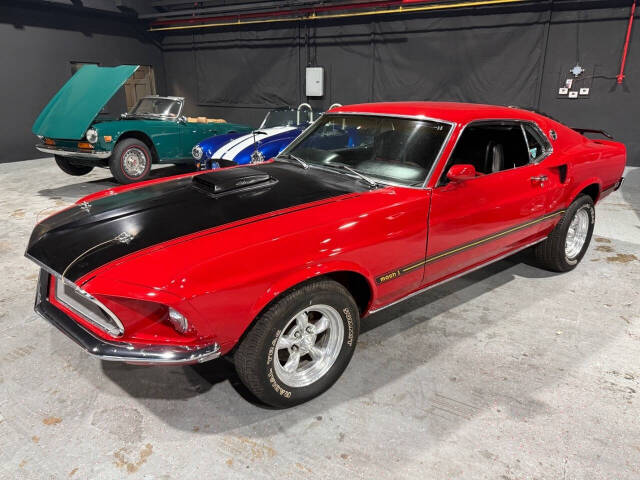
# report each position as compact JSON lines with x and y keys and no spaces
{"x":230,"y":181}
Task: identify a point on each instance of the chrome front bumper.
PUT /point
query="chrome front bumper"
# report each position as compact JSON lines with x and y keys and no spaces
{"x":117,"y":351}
{"x":71,"y":152}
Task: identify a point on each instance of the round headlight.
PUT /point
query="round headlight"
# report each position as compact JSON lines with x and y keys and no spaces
{"x":92,"y":135}
{"x":197,"y":152}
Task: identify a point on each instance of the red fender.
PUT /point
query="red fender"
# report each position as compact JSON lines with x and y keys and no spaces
{"x":307,"y":273}
{"x":576,"y":189}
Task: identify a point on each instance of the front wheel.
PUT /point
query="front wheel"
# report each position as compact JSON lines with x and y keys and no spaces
{"x":300,"y":345}
{"x":130,"y":161}
{"x":71,"y":168}
{"x":568,"y":242}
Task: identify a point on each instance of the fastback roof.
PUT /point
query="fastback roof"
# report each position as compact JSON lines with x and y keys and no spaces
{"x":450,"y":111}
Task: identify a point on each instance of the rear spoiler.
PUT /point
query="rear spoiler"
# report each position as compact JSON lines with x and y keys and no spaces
{"x":582,"y":131}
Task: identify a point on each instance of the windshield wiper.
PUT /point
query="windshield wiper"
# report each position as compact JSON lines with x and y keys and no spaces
{"x":288,"y":156}
{"x":342,"y":166}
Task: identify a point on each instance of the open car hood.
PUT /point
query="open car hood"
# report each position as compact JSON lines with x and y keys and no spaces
{"x":70,"y":112}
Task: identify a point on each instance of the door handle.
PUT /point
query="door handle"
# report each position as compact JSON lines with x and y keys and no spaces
{"x":539,"y":179}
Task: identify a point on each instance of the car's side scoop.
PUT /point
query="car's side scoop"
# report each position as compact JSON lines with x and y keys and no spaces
{"x":224,"y":182}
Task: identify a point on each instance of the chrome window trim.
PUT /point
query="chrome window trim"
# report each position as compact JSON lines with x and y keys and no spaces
{"x":439,"y":156}
{"x":452,"y":125}
{"x":393,"y":115}
{"x":489,"y":120}
{"x":547,"y":149}
{"x":151,"y":116}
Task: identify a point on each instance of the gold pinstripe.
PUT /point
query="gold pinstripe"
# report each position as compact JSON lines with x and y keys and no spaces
{"x":446,"y":253}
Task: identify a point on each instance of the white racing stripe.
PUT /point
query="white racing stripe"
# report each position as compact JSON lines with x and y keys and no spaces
{"x":229,"y":150}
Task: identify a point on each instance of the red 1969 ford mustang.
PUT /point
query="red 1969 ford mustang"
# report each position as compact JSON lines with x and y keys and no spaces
{"x":275,"y":264}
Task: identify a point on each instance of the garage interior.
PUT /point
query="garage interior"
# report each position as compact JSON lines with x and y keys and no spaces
{"x":507,"y":372}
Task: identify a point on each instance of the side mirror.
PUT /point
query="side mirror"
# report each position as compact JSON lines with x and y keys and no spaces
{"x":460,"y":173}
{"x":182,"y":119}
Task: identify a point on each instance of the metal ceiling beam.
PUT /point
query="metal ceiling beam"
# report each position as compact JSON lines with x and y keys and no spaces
{"x":327,"y":12}
{"x":236,"y":7}
{"x":169,"y":3}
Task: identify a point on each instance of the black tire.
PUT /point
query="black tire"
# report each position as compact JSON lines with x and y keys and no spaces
{"x":70,"y":168}
{"x":254,"y":359}
{"x":550,"y":254}
{"x":117,"y":161}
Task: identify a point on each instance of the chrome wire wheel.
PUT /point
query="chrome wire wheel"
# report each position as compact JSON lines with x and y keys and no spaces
{"x":134,"y":162}
{"x":577,"y":234}
{"x":308,"y":345}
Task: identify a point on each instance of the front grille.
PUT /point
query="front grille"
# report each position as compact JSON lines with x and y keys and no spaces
{"x":88,"y":308}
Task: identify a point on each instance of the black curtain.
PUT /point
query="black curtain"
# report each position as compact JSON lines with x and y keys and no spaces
{"x":505,"y":56}
{"x":250,"y":68}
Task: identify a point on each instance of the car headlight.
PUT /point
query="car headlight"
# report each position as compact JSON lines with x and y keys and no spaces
{"x":92,"y":135}
{"x":197,"y":152}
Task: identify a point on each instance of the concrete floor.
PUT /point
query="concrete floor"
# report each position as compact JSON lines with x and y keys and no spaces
{"x":508,"y":373}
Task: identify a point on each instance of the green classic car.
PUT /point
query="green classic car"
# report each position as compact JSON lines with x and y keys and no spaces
{"x":154,"y":131}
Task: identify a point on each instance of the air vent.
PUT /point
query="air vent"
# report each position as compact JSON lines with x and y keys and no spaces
{"x":231,"y":181}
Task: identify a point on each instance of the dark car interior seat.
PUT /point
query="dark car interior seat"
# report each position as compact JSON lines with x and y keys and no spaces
{"x":493,"y":158}
{"x":387,"y":145}
{"x":490,"y":148}
{"x":396,"y":156}
{"x":396,"y":153}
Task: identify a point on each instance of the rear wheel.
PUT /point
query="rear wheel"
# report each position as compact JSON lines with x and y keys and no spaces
{"x":70,"y":168}
{"x":130,"y":161}
{"x":300,"y":345}
{"x":568,"y":242}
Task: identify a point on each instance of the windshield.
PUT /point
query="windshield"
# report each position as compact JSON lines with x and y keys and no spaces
{"x":285,"y":118}
{"x":156,"y":106}
{"x":384,"y":148}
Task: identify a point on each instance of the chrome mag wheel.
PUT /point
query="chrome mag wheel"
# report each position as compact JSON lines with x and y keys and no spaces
{"x":134,"y":162}
{"x":308,"y":345}
{"x":577,"y":234}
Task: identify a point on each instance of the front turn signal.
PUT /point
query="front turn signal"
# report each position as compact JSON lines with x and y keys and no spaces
{"x":85,"y":145}
{"x":178,"y":321}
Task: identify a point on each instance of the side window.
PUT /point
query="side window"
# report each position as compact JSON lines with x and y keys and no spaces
{"x":491,"y":147}
{"x":536,"y":143}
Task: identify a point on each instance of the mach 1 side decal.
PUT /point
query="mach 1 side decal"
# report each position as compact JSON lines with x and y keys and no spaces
{"x":392,"y":275}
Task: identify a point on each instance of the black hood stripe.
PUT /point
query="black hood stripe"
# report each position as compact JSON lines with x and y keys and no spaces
{"x":67,"y":242}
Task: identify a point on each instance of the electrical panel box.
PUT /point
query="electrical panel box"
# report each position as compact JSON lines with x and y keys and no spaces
{"x":314,"y":82}
{"x":575,"y":82}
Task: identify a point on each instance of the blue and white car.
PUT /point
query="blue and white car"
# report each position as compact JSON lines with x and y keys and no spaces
{"x":278,"y":129}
